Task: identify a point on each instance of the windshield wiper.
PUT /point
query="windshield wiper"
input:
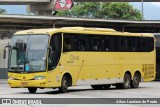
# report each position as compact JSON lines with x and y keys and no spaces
{"x":18,"y":65}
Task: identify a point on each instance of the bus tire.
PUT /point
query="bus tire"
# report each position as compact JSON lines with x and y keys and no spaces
{"x":126,"y":82}
{"x":135,"y":81}
{"x":32,"y":89}
{"x":64,"y":85}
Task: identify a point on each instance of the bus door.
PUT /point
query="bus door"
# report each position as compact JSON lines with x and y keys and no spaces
{"x":54,"y":54}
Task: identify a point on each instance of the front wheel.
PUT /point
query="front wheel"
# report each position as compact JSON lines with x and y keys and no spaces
{"x":64,"y":85}
{"x":135,"y":81}
{"x":32,"y":90}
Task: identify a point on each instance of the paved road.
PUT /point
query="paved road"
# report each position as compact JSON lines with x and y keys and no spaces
{"x":146,"y":90}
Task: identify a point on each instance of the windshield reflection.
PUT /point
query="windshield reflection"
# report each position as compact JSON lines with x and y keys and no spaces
{"x":28,"y":53}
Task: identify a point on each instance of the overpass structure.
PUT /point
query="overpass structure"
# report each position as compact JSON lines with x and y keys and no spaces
{"x":45,"y":7}
{"x":49,"y":1}
{"x":12,"y":23}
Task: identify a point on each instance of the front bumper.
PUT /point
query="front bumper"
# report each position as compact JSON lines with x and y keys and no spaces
{"x":26,"y":84}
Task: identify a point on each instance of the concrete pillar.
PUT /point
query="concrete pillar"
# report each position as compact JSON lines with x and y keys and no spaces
{"x":41,"y":8}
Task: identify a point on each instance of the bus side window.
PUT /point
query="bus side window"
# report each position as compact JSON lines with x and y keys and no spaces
{"x":149,"y":44}
{"x":107,"y":44}
{"x":67,"y":44}
{"x":115,"y":44}
{"x":132,"y":47}
{"x":97,"y":44}
{"x":143,"y":45}
{"x":81,"y":44}
{"x":123,"y":44}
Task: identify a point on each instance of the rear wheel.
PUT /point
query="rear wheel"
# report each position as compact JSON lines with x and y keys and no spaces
{"x":32,"y":90}
{"x":64,"y":85}
{"x":126,"y":82}
{"x":135,"y":81}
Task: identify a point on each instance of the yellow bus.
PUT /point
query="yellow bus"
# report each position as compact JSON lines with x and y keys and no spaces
{"x":71,"y":56}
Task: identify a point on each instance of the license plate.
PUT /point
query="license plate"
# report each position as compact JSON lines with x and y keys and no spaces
{"x":24,"y":83}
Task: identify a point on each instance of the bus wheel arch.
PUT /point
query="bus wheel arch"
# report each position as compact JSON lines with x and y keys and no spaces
{"x":32,"y":89}
{"x":65,"y":83}
{"x":69,"y":77}
{"x":126,"y":81}
{"x":136,"y":79}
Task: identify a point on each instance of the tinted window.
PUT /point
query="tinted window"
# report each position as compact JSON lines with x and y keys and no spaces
{"x":97,"y":44}
{"x":83,"y":42}
{"x":69,"y":43}
{"x":54,"y":51}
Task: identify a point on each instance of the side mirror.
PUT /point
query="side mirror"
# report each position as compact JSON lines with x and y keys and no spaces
{"x":4,"y":52}
{"x":14,"y":47}
{"x":51,"y":52}
{"x":50,"y":48}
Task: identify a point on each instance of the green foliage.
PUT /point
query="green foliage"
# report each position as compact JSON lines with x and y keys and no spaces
{"x":109,"y":10}
{"x":2,"y":11}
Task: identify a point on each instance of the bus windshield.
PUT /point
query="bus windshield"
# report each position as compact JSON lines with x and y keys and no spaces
{"x":28,"y":53}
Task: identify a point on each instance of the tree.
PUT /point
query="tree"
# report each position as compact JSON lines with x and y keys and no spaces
{"x":2,"y":11}
{"x":109,"y":10}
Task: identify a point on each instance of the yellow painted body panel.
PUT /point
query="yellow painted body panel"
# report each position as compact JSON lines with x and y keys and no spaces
{"x":27,"y":78}
{"x":97,"y":65}
{"x":92,"y":66}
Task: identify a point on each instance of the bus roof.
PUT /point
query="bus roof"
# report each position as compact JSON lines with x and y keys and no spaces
{"x":83,"y":30}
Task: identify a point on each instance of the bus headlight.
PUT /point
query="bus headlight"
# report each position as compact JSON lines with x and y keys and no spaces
{"x":12,"y":78}
{"x":39,"y":77}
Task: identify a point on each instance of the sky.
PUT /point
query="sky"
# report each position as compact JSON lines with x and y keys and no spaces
{"x":156,"y":3}
{"x":14,"y":9}
{"x":150,"y":9}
